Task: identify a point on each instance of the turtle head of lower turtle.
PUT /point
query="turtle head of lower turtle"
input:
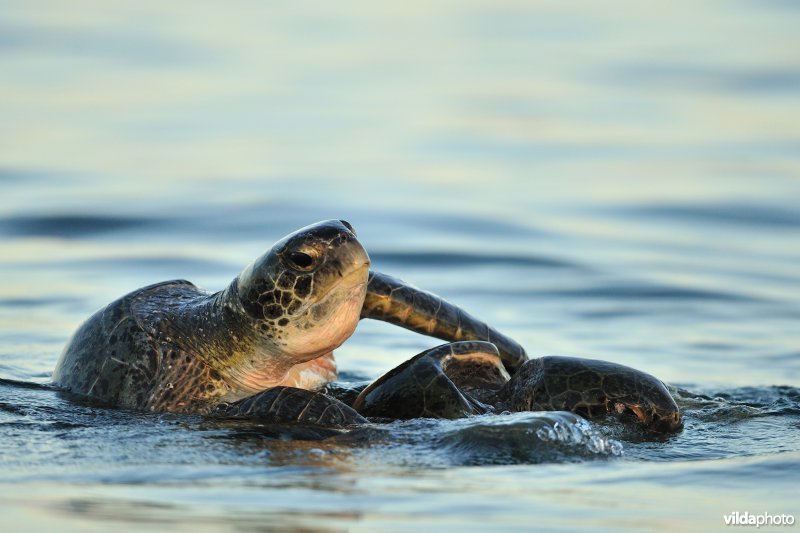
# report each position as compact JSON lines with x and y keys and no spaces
{"x":652,"y":406}
{"x":304,"y":296}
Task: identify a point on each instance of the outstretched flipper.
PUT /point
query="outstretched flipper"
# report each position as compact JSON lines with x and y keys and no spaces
{"x":591,"y":388}
{"x":281,"y":405}
{"x":391,"y":300}
{"x":420,"y":387}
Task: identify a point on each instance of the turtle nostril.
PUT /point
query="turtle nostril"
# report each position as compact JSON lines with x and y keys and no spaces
{"x":301,"y":260}
{"x":348,"y":226}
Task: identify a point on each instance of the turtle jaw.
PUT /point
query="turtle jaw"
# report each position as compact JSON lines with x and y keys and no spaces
{"x":659,"y":419}
{"x":665,"y":422}
{"x":330,"y":320}
{"x":328,"y":315}
{"x":296,"y":303}
{"x":312,"y":337}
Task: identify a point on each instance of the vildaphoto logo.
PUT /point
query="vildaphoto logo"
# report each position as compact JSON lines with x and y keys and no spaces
{"x":764,"y":519}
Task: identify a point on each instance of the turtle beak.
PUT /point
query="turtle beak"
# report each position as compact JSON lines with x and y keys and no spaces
{"x":666,"y":422}
{"x":655,"y":420}
{"x":652,"y":418}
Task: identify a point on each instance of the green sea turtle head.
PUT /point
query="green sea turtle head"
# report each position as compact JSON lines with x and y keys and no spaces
{"x":305,"y":294}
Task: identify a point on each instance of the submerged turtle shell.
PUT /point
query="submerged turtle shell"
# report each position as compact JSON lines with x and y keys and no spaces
{"x":446,"y":382}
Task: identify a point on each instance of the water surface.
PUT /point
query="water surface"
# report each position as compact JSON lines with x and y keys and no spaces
{"x":616,"y":183}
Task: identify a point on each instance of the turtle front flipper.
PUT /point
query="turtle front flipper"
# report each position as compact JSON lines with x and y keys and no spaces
{"x":280,"y":405}
{"x":591,"y":388}
{"x":420,"y":387}
{"x":391,"y":300}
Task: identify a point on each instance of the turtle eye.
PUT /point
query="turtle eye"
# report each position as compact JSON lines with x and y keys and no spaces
{"x":301,"y":260}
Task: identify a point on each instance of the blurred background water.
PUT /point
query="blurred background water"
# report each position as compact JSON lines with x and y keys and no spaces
{"x":618,"y":182}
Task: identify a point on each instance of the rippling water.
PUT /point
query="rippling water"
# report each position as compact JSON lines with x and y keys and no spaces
{"x":619,"y":183}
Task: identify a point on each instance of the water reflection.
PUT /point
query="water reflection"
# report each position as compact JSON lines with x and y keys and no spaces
{"x":589,"y":179}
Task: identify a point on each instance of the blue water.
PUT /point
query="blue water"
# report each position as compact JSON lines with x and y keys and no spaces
{"x":615,"y":182}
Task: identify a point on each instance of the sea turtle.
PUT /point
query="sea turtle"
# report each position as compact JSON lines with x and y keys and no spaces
{"x":263,"y":346}
{"x":467,"y":378}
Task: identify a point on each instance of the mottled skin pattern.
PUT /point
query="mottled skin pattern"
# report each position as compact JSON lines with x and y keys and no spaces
{"x":250,"y":349}
{"x":173,"y":347}
{"x":396,"y":302}
{"x":259,"y":348}
{"x":591,"y":388}
{"x":420,"y":388}
{"x":290,"y":404}
{"x":435,"y":384}
{"x":113,"y":358}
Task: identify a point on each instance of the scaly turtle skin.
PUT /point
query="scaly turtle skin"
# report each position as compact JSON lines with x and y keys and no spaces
{"x":398,"y":303}
{"x":466,"y":378}
{"x":262,"y":345}
{"x":422,"y":386}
